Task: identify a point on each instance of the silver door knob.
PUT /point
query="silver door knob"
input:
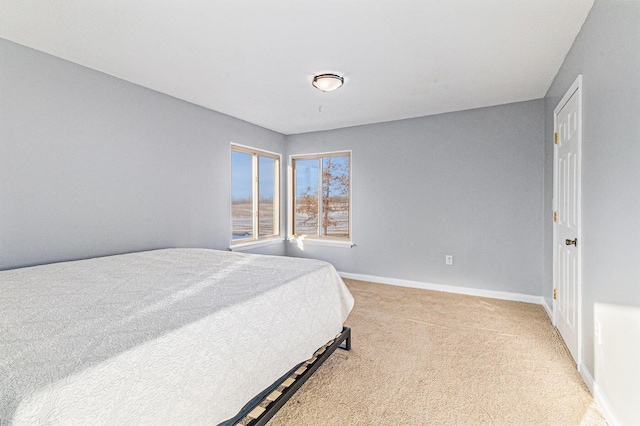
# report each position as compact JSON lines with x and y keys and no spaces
{"x":573,"y":242}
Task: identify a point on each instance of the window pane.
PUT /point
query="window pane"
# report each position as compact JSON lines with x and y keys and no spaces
{"x":306,"y":222}
{"x":266,"y":196}
{"x":241,"y":195}
{"x":335,"y":197}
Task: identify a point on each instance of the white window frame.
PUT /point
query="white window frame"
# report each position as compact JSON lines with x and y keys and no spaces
{"x":256,"y":240}
{"x":291,"y":190}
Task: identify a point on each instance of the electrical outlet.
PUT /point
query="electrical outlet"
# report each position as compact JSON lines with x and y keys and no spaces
{"x":598,"y":333}
{"x":448,"y":259}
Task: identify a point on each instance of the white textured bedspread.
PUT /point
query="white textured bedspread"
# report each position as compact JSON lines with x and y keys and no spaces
{"x":176,"y":336}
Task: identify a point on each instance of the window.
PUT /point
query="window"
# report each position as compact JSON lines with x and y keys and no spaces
{"x":255,"y":194}
{"x":322,"y":195}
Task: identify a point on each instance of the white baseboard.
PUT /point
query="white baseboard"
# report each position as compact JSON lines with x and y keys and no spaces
{"x":604,"y":407}
{"x":598,"y":396}
{"x":586,"y":376}
{"x":548,"y":309}
{"x":517,"y":297}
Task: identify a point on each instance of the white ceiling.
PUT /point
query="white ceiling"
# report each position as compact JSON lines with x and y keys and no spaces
{"x":255,"y":59}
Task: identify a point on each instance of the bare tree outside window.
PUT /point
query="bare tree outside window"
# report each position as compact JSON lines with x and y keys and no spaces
{"x":307,"y":211}
{"x":323,"y":213}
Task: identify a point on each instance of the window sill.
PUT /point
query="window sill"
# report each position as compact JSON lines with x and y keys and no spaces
{"x":255,"y":244}
{"x":301,"y":242}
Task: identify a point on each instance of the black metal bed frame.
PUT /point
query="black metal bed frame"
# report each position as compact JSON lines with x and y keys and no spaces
{"x":262,"y":408}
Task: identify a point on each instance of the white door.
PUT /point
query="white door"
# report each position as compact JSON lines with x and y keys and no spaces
{"x":567,"y":241}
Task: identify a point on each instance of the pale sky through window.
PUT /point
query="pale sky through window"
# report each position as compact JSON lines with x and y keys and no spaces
{"x":241,"y":176}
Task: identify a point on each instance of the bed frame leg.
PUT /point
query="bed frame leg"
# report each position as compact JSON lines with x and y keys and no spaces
{"x":346,"y":345}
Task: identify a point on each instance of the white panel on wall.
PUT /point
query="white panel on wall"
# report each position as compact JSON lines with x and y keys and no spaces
{"x":617,"y":370}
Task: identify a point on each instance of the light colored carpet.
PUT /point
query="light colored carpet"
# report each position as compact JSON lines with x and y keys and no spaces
{"x":429,"y":358}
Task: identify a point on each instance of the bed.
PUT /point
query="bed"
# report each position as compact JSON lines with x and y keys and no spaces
{"x":174,"y":336}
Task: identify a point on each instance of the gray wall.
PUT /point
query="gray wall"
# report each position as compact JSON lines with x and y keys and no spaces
{"x":607,"y":54}
{"x":468,"y":184}
{"x":92,"y":165}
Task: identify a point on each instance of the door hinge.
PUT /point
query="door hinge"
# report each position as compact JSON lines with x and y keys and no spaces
{"x":555,"y":216}
{"x":555,"y":138}
{"x":555,"y":293}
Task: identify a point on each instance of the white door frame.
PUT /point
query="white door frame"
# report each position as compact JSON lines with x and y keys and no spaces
{"x":576,"y":88}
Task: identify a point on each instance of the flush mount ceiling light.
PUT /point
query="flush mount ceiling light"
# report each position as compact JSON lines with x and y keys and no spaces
{"x":327,"y":82}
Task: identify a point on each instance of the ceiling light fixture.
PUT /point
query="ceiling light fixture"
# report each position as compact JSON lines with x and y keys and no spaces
{"x":327,"y":82}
